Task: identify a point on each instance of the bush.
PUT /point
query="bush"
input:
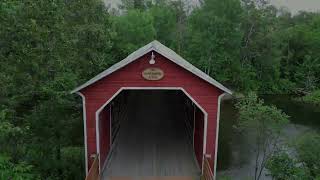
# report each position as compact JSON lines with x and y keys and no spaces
{"x":225,"y":178}
{"x":308,"y":149}
{"x":263,"y":124}
{"x":312,"y":98}
{"x":73,"y":163}
{"x":282,"y":167}
{"x":20,"y":171}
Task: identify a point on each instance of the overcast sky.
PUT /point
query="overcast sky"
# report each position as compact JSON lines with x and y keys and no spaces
{"x":297,"y":5}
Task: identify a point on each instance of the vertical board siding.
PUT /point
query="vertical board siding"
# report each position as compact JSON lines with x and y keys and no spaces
{"x":205,"y":94}
{"x":104,"y":135}
{"x":198,"y":136}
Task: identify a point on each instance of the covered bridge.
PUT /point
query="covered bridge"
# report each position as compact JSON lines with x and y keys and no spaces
{"x":153,"y":114}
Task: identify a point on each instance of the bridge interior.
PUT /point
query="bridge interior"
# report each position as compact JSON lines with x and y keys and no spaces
{"x":153,"y":137}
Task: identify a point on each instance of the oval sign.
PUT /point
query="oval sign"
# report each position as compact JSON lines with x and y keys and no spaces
{"x":152,"y":74}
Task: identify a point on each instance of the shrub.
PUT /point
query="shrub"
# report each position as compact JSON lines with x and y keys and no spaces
{"x":312,"y":98}
{"x":19,"y":171}
{"x":308,"y":150}
{"x":282,"y":167}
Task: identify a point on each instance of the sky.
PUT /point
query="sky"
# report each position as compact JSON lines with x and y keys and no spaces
{"x":293,"y":5}
{"x":297,"y":5}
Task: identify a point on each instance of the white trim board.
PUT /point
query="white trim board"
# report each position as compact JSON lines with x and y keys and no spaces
{"x":164,"y":51}
{"x":153,"y":88}
{"x":110,"y":119}
{"x":84,"y":130}
{"x":217,"y":134}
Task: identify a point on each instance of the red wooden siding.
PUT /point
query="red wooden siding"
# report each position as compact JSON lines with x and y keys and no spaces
{"x":198,"y":135}
{"x":104,"y":121}
{"x":205,"y":94}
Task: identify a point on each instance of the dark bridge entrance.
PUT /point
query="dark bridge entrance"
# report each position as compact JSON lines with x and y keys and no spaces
{"x":155,"y":136}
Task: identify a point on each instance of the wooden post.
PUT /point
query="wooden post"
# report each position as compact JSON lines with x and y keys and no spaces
{"x":94,"y":170}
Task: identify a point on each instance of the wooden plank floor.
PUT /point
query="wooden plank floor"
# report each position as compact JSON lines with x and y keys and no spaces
{"x":153,"y":142}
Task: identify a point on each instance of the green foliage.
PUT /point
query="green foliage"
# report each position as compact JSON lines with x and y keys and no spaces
{"x":257,"y":118}
{"x":164,"y":23}
{"x":11,"y":136}
{"x":20,"y":171}
{"x":304,"y":166}
{"x":134,"y":4}
{"x":300,"y":59}
{"x":312,"y":98}
{"x":260,"y":54}
{"x":283,"y":167}
{"x":308,"y":149}
{"x":134,"y":30}
{"x":72,"y":159}
{"x":225,"y":178}
{"x":214,"y":38}
{"x":263,"y":125}
{"x":49,"y":47}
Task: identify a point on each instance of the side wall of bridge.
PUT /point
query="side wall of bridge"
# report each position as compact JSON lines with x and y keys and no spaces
{"x":104,"y":133}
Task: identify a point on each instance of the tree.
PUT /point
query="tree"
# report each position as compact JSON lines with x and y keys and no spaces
{"x":134,"y":4}
{"x":213,"y":40}
{"x":20,"y":171}
{"x":308,"y":150}
{"x":303,"y":165}
{"x":312,"y":98}
{"x":49,"y":47}
{"x":260,"y":54}
{"x":46,"y":49}
{"x":181,"y":19}
{"x":134,"y":29}
{"x":12,"y":141}
{"x":263,"y":124}
{"x":300,"y":62}
{"x":283,"y":167}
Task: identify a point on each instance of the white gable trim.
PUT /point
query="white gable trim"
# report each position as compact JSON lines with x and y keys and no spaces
{"x":85,"y":130}
{"x":217,"y":135}
{"x":164,"y":51}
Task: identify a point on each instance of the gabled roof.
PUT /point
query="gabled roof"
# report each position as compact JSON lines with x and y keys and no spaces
{"x":164,"y":51}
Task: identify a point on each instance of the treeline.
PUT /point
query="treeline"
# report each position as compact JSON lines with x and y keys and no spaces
{"x":247,"y":45}
{"x":49,"y":47}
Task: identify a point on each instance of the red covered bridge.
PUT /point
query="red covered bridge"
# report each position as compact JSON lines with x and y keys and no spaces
{"x":152,"y":114}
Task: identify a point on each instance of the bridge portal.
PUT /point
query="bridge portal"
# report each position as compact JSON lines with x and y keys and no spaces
{"x":151,"y":114}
